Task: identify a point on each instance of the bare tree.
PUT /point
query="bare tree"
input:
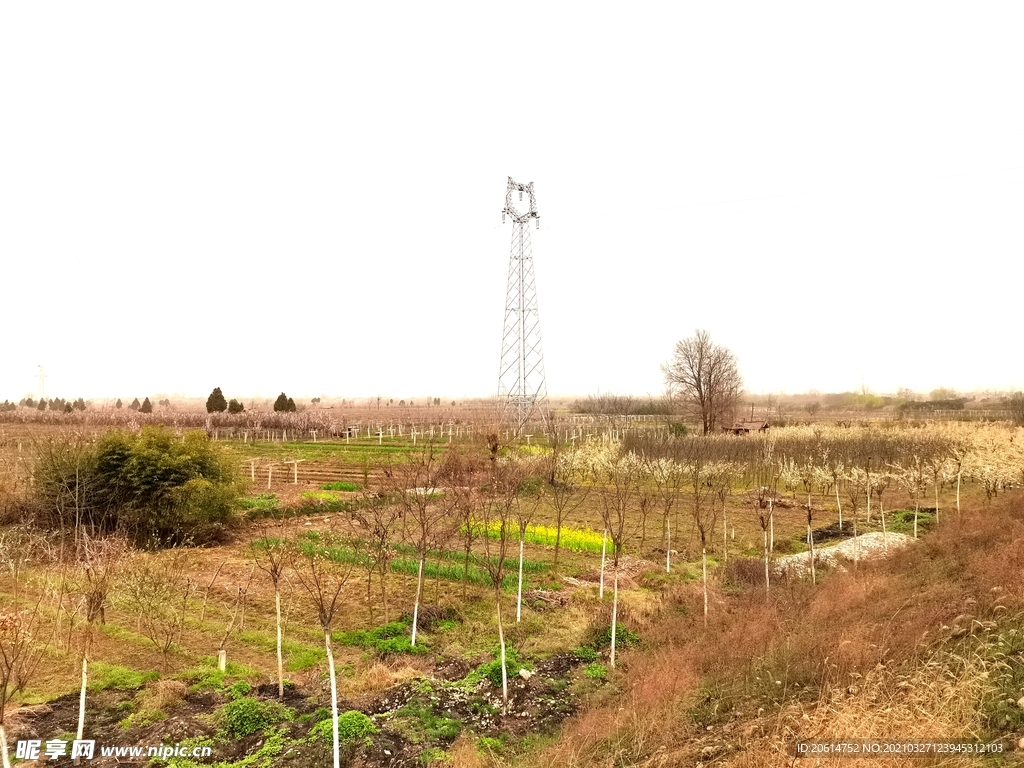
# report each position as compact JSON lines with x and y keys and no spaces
{"x":377,"y":521}
{"x":567,"y":488}
{"x":528,"y":498}
{"x":703,"y":377}
{"x":21,"y":645}
{"x":157,"y":589}
{"x":414,"y":484}
{"x":271,"y":555}
{"x":498,"y":518}
{"x":702,"y":479}
{"x":621,"y":474}
{"x":323,"y":575}
{"x":99,"y":562}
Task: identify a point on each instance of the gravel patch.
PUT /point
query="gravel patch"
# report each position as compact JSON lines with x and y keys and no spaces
{"x":869,"y":546}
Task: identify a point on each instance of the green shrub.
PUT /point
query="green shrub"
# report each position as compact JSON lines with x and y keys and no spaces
{"x":596,"y":671}
{"x":491,"y":744}
{"x":352,"y":726}
{"x":245,"y":716}
{"x":238,"y":690}
{"x":157,"y":487}
{"x":491,"y":670}
{"x":585,"y":653}
{"x":623,"y":637}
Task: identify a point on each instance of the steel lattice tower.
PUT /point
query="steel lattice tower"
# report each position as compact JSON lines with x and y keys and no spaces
{"x":522,"y":390}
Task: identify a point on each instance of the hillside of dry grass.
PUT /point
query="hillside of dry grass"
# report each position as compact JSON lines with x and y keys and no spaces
{"x":928,"y":643}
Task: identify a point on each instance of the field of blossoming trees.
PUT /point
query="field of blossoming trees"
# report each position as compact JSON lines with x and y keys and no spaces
{"x":420,"y":592}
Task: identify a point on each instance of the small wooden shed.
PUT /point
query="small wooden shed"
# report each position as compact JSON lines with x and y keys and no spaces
{"x":747,"y":426}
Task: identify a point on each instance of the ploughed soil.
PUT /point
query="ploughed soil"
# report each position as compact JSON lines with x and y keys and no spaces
{"x":406,"y":715}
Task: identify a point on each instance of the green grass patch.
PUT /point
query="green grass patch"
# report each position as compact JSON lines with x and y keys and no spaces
{"x":341,"y":485}
{"x":387,"y":640}
{"x":418,"y":722}
{"x":596,"y":671}
{"x":902,"y":521}
{"x":207,"y":677}
{"x":491,"y":670}
{"x":265,"y":502}
{"x":103,"y":676}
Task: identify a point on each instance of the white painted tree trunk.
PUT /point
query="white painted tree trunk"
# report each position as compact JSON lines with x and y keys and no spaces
{"x":725,"y":538}
{"x":839,"y":506}
{"x":615,"y":614}
{"x":936,"y":503}
{"x":519,"y":593}
{"x":334,"y":699}
{"x":958,"y":491}
{"x":416,"y":605}
{"x":771,"y":526}
{"x":280,"y":655}
{"x":3,"y":747}
{"x":810,"y":550}
{"x":766,"y":577}
{"x":604,"y":548}
{"x":81,"y":697}
{"x":504,"y":666}
{"x":668,"y":545}
{"x":704,"y":566}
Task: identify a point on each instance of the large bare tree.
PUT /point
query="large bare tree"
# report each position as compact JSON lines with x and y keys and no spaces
{"x":703,"y":377}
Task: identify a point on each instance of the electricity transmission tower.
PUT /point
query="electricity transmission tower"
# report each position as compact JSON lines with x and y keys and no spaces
{"x":522,"y":390}
{"x":42,"y":383}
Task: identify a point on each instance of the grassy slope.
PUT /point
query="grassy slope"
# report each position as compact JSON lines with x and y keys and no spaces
{"x":927,"y":644}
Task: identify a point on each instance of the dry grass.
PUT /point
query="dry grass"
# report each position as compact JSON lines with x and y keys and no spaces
{"x":885,"y":651}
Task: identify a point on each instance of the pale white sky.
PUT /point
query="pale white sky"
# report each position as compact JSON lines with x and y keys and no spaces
{"x":306,"y":196}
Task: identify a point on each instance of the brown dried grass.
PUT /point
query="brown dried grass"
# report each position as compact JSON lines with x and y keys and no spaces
{"x":864,"y":654}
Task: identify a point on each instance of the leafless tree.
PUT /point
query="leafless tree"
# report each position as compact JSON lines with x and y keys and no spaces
{"x":414,"y":484}
{"x":271,"y":555}
{"x":98,"y":565}
{"x":323,"y":576}
{"x":704,"y":378}
{"x":621,"y":476}
{"x":157,"y":588}
{"x":377,"y":521}
{"x":22,"y":647}
{"x":703,"y":481}
{"x":497,"y":515}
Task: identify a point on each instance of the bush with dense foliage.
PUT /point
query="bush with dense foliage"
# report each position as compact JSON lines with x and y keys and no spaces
{"x":158,"y":488}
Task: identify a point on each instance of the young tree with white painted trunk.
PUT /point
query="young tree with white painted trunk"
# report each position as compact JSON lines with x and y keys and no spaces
{"x":497,"y":514}
{"x":271,"y":554}
{"x":323,"y":575}
{"x":703,"y":477}
{"x":528,"y":498}
{"x":22,"y":631}
{"x":376,"y":520}
{"x":621,"y":474}
{"x":413,"y":484}
{"x":667,"y":476}
{"x":97,"y":567}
